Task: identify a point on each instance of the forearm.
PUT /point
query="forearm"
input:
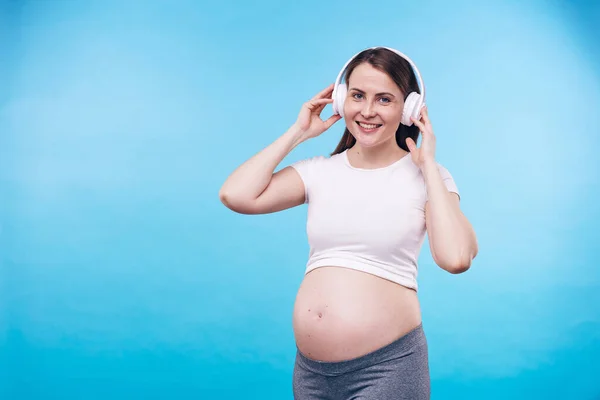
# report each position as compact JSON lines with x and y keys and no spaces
{"x":251,"y":178}
{"x":452,"y":240}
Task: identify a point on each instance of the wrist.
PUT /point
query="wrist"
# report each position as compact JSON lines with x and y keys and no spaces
{"x":428,"y":164}
{"x":428,"y":168}
{"x":296,"y":134}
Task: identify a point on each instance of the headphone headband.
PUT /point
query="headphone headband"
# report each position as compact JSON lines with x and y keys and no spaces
{"x":413,"y":65}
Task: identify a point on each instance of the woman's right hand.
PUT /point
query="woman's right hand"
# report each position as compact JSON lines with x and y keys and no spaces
{"x":309,"y":120}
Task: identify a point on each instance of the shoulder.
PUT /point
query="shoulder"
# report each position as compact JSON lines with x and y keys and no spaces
{"x":318,"y":161}
{"x":317,"y":169}
{"x":448,"y":179}
{"x":314,"y":160}
{"x":443,"y":170}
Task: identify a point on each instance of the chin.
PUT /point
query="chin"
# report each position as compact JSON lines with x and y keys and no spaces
{"x":367,"y":143}
{"x":369,"y":140}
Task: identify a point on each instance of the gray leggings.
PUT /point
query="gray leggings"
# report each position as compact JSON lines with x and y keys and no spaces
{"x":399,"y":370}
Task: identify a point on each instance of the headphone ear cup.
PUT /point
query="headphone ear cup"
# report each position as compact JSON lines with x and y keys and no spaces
{"x":411,"y":108}
{"x":338,"y":99}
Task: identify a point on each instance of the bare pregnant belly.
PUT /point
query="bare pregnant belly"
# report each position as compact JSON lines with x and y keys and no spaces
{"x":341,"y":313}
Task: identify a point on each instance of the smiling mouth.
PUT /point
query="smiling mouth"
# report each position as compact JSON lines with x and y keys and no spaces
{"x":368,"y":126}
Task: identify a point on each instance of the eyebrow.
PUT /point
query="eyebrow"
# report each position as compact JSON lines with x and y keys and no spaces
{"x":378,"y":94}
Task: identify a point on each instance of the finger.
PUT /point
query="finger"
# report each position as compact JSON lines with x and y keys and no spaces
{"x":320,"y":108}
{"x":331,"y":120}
{"x":319,"y":105}
{"x":411,"y":144}
{"x":321,"y":101}
{"x":314,"y":104}
{"x":418,"y":123}
{"x":425,"y":116}
{"x":324,"y":93}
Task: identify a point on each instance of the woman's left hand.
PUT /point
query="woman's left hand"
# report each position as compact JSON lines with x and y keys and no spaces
{"x":426,"y":153}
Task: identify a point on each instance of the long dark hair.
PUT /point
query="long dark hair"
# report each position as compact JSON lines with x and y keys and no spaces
{"x":401,"y":72}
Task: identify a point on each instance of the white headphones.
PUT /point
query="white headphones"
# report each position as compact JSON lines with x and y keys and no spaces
{"x":413,"y":103}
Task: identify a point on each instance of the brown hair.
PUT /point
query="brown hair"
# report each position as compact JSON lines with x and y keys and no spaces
{"x":401,"y":72}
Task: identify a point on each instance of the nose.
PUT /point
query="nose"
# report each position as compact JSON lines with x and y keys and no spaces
{"x":368,"y":110}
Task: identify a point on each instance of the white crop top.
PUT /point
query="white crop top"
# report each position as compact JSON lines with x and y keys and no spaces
{"x":372,"y":220}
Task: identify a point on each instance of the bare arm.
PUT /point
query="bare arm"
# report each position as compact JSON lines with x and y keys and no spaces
{"x":245,"y":191}
{"x":452,"y":240}
{"x":254,"y":188}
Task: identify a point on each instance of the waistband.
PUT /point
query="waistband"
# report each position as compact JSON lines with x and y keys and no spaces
{"x":397,"y":349}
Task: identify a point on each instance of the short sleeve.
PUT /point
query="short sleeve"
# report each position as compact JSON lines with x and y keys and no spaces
{"x":448,"y":180}
{"x":308,"y":171}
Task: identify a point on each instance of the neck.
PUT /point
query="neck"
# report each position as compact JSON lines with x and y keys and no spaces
{"x":377,"y":156}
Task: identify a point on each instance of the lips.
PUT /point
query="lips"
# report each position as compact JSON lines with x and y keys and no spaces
{"x":368,"y":128}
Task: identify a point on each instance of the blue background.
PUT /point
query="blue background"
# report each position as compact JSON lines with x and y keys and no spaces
{"x":123,"y":276}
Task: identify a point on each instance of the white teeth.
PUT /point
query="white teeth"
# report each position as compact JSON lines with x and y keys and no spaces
{"x":368,"y":126}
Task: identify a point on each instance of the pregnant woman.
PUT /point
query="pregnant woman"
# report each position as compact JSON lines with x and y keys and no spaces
{"x":357,"y":319}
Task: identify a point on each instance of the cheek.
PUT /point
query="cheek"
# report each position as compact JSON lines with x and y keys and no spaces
{"x":349,"y":121}
{"x":392,"y":115}
{"x":392,"y":120}
{"x":350,"y":109}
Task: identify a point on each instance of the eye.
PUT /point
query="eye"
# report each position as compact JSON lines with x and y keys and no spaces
{"x":385,"y":99}
{"x":354,"y":95}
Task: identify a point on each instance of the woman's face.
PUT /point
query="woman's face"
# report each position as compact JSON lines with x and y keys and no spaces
{"x":373,"y":106}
